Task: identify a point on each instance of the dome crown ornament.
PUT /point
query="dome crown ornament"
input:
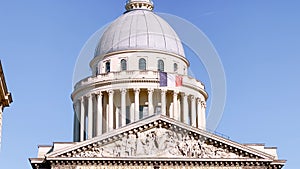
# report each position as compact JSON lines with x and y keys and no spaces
{"x":139,"y":4}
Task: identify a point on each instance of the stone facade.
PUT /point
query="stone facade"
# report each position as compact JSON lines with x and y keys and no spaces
{"x":5,"y":97}
{"x":125,"y":85}
{"x":157,"y":142}
{"x":141,"y":110}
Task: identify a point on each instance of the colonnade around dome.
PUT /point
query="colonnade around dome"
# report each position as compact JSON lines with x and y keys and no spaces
{"x":102,"y":111}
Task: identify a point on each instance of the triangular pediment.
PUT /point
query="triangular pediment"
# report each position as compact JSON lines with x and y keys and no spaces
{"x":160,"y":137}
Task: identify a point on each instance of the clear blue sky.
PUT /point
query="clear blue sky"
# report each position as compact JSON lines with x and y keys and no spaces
{"x":258,"y":42}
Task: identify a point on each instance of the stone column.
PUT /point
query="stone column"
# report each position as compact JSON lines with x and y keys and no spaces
{"x":175,"y":114}
{"x":136,"y":104}
{"x":76,"y":136}
{"x":199,"y":111}
{"x":185,"y":108}
{"x":82,"y":119}
{"x":203,"y":116}
{"x":110,"y":110}
{"x":193,"y":111}
{"x":123,"y":107}
{"x":163,"y":102}
{"x":90,"y":116}
{"x":150,"y":102}
{"x":99,"y":113}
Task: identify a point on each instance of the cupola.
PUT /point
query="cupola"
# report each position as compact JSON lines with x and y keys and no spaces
{"x":139,"y":4}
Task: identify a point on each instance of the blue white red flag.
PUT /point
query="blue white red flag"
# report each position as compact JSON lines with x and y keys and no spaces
{"x":163,"y":81}
{"x":169,"y":80}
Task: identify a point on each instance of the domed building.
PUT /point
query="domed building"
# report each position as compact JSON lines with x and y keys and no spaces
{"x":140,"y":109}
{"x":132,"y":54}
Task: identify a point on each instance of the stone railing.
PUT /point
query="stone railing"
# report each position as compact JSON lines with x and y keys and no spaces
{"x":134,"y":75}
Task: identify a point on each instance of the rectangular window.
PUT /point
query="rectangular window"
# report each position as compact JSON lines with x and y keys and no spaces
{"x":144,"y":112}
{"x":127,"y":114}
{"x":157,"y":110}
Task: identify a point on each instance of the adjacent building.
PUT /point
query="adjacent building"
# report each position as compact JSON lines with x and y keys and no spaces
{"x":139,"y":109}
{"x":5,"y":97}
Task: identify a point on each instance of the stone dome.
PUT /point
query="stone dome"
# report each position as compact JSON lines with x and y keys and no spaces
{"x":139,"y":29}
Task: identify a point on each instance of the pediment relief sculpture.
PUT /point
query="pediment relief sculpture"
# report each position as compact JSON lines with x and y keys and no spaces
{"x":158,"y":142}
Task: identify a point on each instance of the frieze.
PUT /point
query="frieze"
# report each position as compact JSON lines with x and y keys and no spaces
{"x":144,"y":167}
{"x":157,"y":142}
{"x":64,"y":167}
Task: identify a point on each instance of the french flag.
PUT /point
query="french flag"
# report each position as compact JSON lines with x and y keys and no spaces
{"x":169,"y":80}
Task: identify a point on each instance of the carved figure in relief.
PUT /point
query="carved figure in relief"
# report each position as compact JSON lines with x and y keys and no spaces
{"x":161,"y":137}
{"x":117,"y":149}
{"x":131,"y":145}
{"x":150,"y":143}
{"x":171,"y":143}
{"x":141,"y":142}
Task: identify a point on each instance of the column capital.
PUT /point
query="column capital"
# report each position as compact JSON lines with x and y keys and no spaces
{"x":78,"y":100}
{"x":203,"y":104}
{"x":137,"y":90}
{"x":175,"y":92}
{"x":110,"y":91}
{"x":150,"y":90}
{"x":198,"y":100}
{"x":89,"y":95}
{"x":192,"y":97}
{"x":99,"y":93}
{"x":123,"y":90}
{"x":163,"y":91}
{"x":183,"y":94}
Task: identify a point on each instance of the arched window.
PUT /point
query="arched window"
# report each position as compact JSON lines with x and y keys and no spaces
{"x":107,"y":67}
{"x":175,"y":67}
{"x":160,"y":65}
{"x":142,"y":64}
{"x":123,"y":65}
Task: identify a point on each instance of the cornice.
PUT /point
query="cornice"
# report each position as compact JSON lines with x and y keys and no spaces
{"x":165,"y":122}
{"x":97,"y":83}
{"x":60,"y":162}
{"x":102,"y":57}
